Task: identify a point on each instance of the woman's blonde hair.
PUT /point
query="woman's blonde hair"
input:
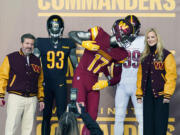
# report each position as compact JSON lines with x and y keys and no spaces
{"x":147,"y":48}
{"x":68,"y":125}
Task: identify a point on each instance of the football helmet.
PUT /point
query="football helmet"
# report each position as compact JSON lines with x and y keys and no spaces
{"x":135,"y":23}
{"x":55,"y":26}
{"x":122,"y":29}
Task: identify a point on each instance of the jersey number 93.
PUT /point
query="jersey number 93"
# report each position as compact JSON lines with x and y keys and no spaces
{"x":55,"y":59}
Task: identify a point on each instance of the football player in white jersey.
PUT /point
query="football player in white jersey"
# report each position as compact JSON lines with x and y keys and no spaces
{"x":126,"y":88}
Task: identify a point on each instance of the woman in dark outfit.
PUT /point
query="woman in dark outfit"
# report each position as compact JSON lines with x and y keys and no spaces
{"x":156,"y":82}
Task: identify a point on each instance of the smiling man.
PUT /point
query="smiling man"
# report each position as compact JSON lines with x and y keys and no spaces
{"x":21,"y":76}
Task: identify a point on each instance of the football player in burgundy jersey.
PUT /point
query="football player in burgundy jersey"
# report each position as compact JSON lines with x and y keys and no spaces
{"x":101,"y":50}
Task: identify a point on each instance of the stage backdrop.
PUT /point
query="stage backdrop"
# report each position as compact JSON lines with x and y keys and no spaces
{"x":29,"y":16}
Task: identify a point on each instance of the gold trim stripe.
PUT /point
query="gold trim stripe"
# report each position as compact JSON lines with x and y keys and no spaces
{"x":94,"y":32}
{"x":132,"y":23}
{"x":65,"y":47}
{"x":105,"y":55}
{"x":163,"y":77}
{"x":31,"y":95}
{"x":108,"y":14}
{"x":15,"y":92}
{"x":12,"y":82}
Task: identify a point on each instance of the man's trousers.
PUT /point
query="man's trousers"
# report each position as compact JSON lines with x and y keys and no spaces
{"x":20,"y":110}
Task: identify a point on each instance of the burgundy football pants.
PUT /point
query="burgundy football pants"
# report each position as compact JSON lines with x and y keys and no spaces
{"x":84,"y":81}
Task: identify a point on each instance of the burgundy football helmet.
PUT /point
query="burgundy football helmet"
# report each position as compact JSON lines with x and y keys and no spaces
{"x":122,"y":29}
{"x":135,"y":23}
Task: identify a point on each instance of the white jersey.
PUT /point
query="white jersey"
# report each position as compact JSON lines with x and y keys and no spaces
{"x":130,"y":67}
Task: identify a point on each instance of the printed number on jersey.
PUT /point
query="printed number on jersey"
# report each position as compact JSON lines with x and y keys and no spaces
{"x":55,"y":59}
{"x":97,"y":57}
{"x":133,"y":59}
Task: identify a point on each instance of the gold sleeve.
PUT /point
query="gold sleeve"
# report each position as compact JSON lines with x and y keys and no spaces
{"x":40,"y":86}
{"x":94,"y":32}
{"x":4,"y":76}
{"x":170,"y":76}
{"x":139,"y":92}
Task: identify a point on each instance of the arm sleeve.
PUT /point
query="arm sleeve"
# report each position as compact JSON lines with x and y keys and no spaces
{"x":120,"y":55}
{"x":73,"y":57}
{"x":4,"y":76}
{"x":139,"y":92}
{"x":116,"y":74}
{"x":170,"y":76}
{"x":90,"y":123}
{"x":40,"y":86}
{"x":105,"y":71}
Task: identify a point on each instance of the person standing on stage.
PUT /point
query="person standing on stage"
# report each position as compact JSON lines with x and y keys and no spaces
{"x":126,"y":88}
{"x":101,"y":50}
{"x":156,"y":82}
{"x":54,"y":52}
{"x":21,"y":75}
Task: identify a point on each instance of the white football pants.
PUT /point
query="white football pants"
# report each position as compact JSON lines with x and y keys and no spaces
{"x":123,"y":93}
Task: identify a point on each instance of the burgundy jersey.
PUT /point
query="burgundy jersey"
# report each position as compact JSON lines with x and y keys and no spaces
{"x":97,"y":61}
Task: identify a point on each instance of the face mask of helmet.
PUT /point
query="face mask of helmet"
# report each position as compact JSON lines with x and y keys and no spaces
{"x":124,"y":42}
{"x":55,"y":31}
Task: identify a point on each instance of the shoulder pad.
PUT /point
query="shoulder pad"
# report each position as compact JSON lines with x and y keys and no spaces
{"x":94,"y":32}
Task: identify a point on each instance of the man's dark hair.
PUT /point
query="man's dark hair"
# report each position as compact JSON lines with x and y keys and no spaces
{"x":27,"y":35}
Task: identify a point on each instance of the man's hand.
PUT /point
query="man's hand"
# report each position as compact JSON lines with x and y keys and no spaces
{"x":2,"y":102}
{"x":41,"y":106}
{"x":90,"y":45}
{"x":100,"y":85}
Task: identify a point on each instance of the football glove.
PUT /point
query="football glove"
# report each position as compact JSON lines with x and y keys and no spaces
{"x":100,"y":85}
{"x":90,"y":45}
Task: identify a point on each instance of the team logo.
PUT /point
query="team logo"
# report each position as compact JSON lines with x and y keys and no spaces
{"x":123,"y":25}
{"x":159,"y":65}
{"x":36,"y":68}
{"x":55,"y":19}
